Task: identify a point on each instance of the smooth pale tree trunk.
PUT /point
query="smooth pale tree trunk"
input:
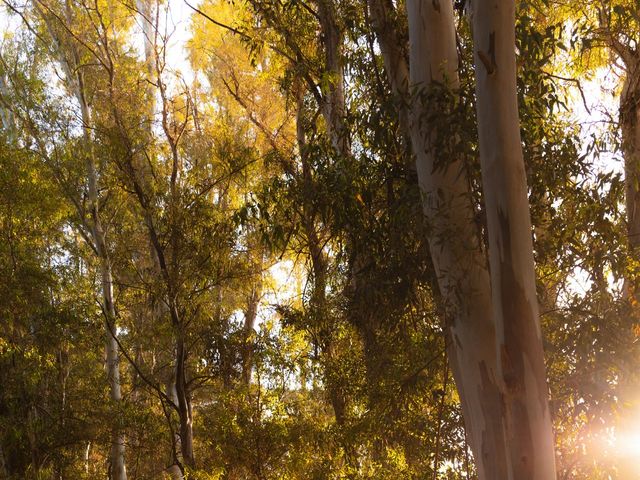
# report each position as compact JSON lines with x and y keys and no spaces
{"x":529,"y":434}
{"x":381,"y":13}
{"x":630,"y":129}
{"x":70,"y":62}
{"x":117,"y":459}
{"x":456,"y":251}
{"x":333,"y":109}
{"x":86,"y":457}
{"x":6,"y":115}
{"x":148,"y":20}
{"x":117,"y":466}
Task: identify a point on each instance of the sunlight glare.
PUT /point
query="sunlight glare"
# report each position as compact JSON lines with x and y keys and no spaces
{"x":627,"y":445}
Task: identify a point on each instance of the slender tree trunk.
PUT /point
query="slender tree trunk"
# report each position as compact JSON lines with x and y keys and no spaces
{"x":116,"y":457}
{"x":393,"y":55}
{"x":184,"y":403}
{"x":456,"y":251}
{"x":250,"y":316}
{"x":529,"y":434}
{"x":6,"y":116}
{"x":334,"y":105}
{"x":71,"y":62}
{"x":630,"y":129}
{"x":319,"y":265}
{"x":86,"y":455}
{"x":176,"y":470}
{"x":117,"y":460}
{"x":148,"y":21}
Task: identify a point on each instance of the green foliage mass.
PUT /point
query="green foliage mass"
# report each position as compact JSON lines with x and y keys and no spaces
{"x":284,"y":284}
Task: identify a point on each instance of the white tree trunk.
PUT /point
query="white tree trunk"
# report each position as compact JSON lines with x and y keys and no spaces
{"x":75,"y":83}
{"x":117,"y":460}
{"x":395,"y":64}
{"x":147,"y":14}
{"x":6,"y":116}
{"x":529,"y":435}
{"x":333,"y":109}
{"x":117,"y":467}
{"x":87,"y":454}
{"x":456,"y":250}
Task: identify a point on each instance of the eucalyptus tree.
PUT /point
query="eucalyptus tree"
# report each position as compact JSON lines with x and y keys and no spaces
{"x":290,"y":147}
{"x":50,"y":340}
{"x":497,"y":361}
{"x":71,"y":51}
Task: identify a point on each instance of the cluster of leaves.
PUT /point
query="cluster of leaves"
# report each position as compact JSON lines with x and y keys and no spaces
{"x":206,"y":188}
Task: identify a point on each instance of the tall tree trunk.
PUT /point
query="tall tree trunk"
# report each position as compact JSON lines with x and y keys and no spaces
{"x":630,"y":129}
{"x":148,"y":19}
{"x":70,"y":61}
{"x":333,"y":109}
{"x":116,"y":458}
{"x":176,"y":469}
{"x":184,"y":404}
{"x":250,"y":316}
{"x":6,"y":116}
{"x":382,"y":14}
{"x":529,"y":435}
{"x":457,"y":255}
{"x":319,"y":263}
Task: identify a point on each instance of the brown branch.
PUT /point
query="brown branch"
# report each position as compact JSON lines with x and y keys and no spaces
{"x":572,"y":80}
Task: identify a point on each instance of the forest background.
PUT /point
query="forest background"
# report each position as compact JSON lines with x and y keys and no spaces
{"x":257,"y":239}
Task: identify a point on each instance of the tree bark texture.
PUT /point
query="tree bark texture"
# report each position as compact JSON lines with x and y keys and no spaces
{"x":456,"y":252}
{"x":630,"y":130}
{"x":333,"y":109}
{"x":529,"y":433}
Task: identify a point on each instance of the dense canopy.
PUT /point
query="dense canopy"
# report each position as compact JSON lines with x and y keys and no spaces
{"x":319,"y":239}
